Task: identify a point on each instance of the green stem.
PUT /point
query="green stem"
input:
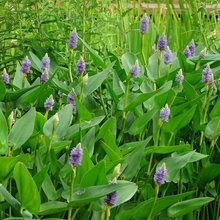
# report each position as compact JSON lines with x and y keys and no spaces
{"x":159,"y":63}
{"x":84,"y":26}
{"x":102,"y":103}
{"x":124,"y":113}
{"x":73,"y":175}
{"x":142,"y":50}
{"x":70,"y":66}
{"x":155,"y":200}
{"x":108,"y":212}
{"x":23,"y":80}
{"x":103,"y":212}
{"x":171,"y":138}
{"x":155,"y":145}
{"x":168,"y":70}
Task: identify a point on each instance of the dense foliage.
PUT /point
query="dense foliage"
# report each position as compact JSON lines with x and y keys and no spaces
{"x":108,"y":112}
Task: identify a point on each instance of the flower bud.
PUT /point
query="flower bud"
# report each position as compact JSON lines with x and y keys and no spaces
{"x":48,"y":104}
{"x":76,"y":154}
{"x":26,"y":65}
{"x":144,"y":24}
{"x":179,"y":76}
{"x":5,"y":77}
{"x":165,"y":113}
{"x":162,"y":43}
{"x":160,"y":175}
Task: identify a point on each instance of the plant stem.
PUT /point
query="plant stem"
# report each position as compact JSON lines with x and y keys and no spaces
{"x":70,"y":66}
{"x":103,"y":212}
{"x":73,"y":175}
{"x":84,"y":26}
{"x":142,"y":49}
{"x":155,"y":200}
{"x":159,"y":63}
{"x":155,"y":145}
{"x":124,"y":113}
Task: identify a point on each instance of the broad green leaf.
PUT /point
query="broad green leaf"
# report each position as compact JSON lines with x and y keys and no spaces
{"x":88,"y":141}
{"x":128,"y":59}
{"x":184,"y":207}
{"x":3,"y":133}
{"x":144,"y":97}
{"x":132,"y":162}
{"x":8,"y":164}
{"x":22,"y":129}
{"x":27,"y":189}
{"x":141,"y":122}
{"x":74,"y":129}
{"x":167,"y":149}
{"x":179,"y":121}
{"x":177,"y":162}
{"x":125,"y":190}
{"x":9,"y":198}
{"x":208,"y":173}
{"x":212,"y":129}
{"x":142,"y":210}
{"x":216,"y":110}
{"x":52,"y":207}
{"x":2,"y":91}
{"x":35,"y":61}
{"x":40,"y":177}
{"x":95,"y":176}
{"x":65,"y":118}
{"x":96,"y":58}
{"x":95,"y":81}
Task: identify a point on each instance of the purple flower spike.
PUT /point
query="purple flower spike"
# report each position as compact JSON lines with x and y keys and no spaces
{"x":44,"y":76}
{"x":71,"y":100}
{"x":179,"y":77}
{"x":144,"y":25}
{"x":135,"y":69}
{"x":187,"y":52}
{"x":81,"y":66}
{"x":165,"y":113}
{"x":192,"y":48}
{"x":73,"y":40}
{"x":45,"y":63}
{"x":5,"y":77}
{"x":111,"y":199}
{"x":26,"y":65}
{"x":160,"y":175}
{"x":168,"y":56}
{"x":48,"y":104}
{"x":76,"y":154}
{"x":60,"y":94}
{"x":207,"y":75}
{"x":162,"y":43}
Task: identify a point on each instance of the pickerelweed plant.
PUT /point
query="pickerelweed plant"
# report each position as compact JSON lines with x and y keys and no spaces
{"x":95,"y":124}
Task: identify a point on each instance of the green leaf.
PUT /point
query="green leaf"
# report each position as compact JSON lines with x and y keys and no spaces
{"x":2,"y":90}
{"x":8,"y":163}
{"x":3,"y":133}
{"x":139,"y":124}
{"x":35,"y":61}
{"x":208,"y":173}
{"x":128,"y":59}
{"x":132,"y":162}
{"x":182,"y":208}
{"x":9,"y":198}
{"x":167,"y":149}
{"x":212,"y":130}
{"x":177,"y":162}
{"x":22,"y":129}
{"x":27,"y":189}
{"x":95,"y":176}
{"x":88,"y":141}
{"x":216,"y":110}
{"x":94,"y":82}
{"x":142,"y":210}
{"x":98,"y":61}
{"x":125,"y":190}
{"x":52,"y":207}
{"x":179,"y":121}
{"x":144,"y":97}
{"x":65,"y":118}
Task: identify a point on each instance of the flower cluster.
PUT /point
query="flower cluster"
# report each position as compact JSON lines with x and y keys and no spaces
{"x":207,"y":75}
{"x":135,"y":69}
{"x":144,"y":25}
{"x":76,"y":154}
{"x":26,"y":65}
{"x":44,"y":76}
{"x":162,"y":43}
{"x":48,"y":104}
{"x":168,"y":56}
{"x":190,"y":50}
{"x":5,"y":77}
{"x":71,"y":100}
{"x":73,"y":40}
{"x":111,"y":199}
{"x":80,"y":66}
{"x":179,"y":77}
{"x":165,"y":113}
{"x":160,"y":175}
{"x":45,"y":63}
